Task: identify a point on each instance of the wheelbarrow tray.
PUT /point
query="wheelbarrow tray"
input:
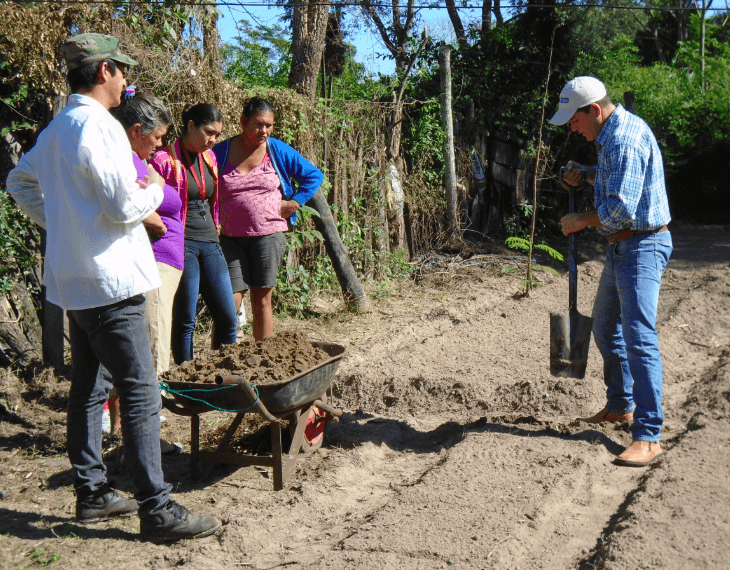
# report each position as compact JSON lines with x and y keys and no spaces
{"x":279,"y":397}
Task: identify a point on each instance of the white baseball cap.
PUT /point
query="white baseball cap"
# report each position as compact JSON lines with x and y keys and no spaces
{"x":577,"y":93}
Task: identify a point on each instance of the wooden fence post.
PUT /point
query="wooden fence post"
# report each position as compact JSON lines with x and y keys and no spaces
{"x":53,"y":322}
{"x":447,"y":123}
{"x":54,"y":317}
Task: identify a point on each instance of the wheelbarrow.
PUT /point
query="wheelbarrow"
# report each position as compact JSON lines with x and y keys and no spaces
{"x":299,"y":401}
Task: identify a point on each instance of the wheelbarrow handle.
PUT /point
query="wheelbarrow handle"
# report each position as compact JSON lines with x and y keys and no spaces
{"x":334,"y":412}
{"x":247,"y":389}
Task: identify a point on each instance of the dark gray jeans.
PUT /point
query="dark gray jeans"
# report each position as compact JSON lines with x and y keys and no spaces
{"x":115,"y":336}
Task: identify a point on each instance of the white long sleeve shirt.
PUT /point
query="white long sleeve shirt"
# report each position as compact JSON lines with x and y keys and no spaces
{"x":79,"y":183}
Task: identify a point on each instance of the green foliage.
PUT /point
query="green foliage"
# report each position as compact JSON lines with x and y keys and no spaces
{"x":293,"y":292}
{"x":303,"y":234}
{"x":396,"y":265}
{"x":159,"y":23}
{"x":261,"y":57}
{"x":519,"y":223}
{"x":295,"y":285}
{"x":354,"y":235}
{"x":41,"y":558}
{"x":19,"y":239}
{"x":687,"y":118}
{"x":354,"y":81}
{"x":12,"y":101}
{"x":382,"y":289}
{"x":424,"y":142}
{"x":524,"y":245}
{"x":599,"y":29}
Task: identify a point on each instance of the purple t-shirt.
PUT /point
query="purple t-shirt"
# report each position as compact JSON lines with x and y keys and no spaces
{"x":170,"y":248}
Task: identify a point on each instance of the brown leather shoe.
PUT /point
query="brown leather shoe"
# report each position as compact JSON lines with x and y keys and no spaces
{"x":605,"y":416}
{"x":640,"y":454}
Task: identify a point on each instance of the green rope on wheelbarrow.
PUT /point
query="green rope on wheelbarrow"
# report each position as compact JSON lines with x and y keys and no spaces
{"x":165,"y":387}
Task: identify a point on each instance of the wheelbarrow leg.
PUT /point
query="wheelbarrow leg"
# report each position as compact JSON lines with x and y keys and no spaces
{"x":277,"y":456}
{"x":194,"y":447}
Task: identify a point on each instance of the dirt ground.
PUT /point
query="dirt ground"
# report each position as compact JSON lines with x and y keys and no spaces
{"x":456,"y":448}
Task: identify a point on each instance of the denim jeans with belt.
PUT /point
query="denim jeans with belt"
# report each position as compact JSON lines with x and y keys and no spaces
{"x":624,"y":328}
{"x":205,"y":272}
{"x":115,"y":337}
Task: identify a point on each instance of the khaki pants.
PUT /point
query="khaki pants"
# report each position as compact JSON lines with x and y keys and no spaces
{"x":159,"y":315}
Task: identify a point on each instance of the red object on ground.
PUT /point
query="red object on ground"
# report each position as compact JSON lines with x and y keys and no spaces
{"x":314,"y":431}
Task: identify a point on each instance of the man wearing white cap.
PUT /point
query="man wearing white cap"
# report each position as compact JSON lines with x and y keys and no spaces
{"x":632,"y":213}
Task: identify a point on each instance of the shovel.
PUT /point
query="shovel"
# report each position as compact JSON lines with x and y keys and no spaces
{"x":570,"y":333}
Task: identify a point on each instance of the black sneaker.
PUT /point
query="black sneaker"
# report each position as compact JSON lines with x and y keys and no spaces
{"x":174,"y":522}
{"x":103,"y":505}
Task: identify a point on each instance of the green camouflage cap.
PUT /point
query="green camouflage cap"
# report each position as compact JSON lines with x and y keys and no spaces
{"x":91,"y":48}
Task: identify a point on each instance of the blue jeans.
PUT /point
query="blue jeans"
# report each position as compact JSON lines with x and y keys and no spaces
{"x":205,"y":272}
{"x":115,"y":337}
{"x":624,"y":328}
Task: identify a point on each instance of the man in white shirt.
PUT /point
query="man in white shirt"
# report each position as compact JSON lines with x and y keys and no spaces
{"x":79,"y":183}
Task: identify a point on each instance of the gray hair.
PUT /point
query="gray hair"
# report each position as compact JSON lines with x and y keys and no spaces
{"x":144,"y":109}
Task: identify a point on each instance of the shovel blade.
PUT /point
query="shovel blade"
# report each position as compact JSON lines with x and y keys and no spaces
{"x":570,"y":339}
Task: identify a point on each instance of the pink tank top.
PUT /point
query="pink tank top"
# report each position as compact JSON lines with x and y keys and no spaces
{"x":250,"y":204}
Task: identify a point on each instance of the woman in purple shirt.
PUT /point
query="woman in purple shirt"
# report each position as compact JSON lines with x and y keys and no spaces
{"x":145,"y":118}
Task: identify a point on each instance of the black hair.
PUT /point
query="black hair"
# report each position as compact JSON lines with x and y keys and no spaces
{"x":256,"y":105}
{"x":144,"y":109}
{"x":87,"y":76}
{"x":200,"y":114}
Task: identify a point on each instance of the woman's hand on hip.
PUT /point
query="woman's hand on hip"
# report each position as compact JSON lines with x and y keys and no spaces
{"x":288,"y":207}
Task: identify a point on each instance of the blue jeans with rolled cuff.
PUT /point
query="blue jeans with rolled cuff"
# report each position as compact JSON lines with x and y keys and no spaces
{"x":624,"y":328}
{"x":205,"y":272}
{"x":115,"y":337}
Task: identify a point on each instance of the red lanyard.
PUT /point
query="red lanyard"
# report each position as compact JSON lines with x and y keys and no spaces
{"x":201,"y":186}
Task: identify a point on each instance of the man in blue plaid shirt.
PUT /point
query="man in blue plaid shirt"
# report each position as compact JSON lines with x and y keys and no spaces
{"x":632,"y":212}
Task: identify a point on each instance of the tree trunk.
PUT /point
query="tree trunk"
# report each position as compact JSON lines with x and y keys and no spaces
{"x":352,"y":289}
{"x":456,"y":22}
{"x":12,"y":335}
{"x":448,"y":126}
{"x":211,"y":39}
{"x":309,"y":25}
{"x":486,"y":17}
{"x":396,"y":191}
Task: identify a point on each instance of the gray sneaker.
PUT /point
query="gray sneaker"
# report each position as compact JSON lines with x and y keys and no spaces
{"x":103,"y":505}
{"x":174,"y":522}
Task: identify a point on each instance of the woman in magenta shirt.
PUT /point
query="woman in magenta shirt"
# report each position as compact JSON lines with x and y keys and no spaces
{"x":190,"y":166}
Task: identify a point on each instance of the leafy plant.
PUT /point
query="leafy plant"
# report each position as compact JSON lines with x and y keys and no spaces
{"x":261,"y":57}
{"x":19,"y":239}
{"x":524,"y":245}
{"x":39,"y":557}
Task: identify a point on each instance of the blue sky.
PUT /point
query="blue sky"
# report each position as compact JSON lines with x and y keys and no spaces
{"x":368,"y":43}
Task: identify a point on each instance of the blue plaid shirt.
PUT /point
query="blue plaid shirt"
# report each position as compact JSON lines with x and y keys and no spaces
{"x":629,"y":187}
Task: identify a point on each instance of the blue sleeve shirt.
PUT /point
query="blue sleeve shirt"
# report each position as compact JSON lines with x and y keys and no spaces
{"x":629,"y":189}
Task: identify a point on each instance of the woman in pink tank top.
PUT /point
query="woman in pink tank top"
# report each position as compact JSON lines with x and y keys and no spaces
{"x":256,"y":204}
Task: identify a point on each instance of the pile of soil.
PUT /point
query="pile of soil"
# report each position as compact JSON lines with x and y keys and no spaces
{"x":269,"y":361}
